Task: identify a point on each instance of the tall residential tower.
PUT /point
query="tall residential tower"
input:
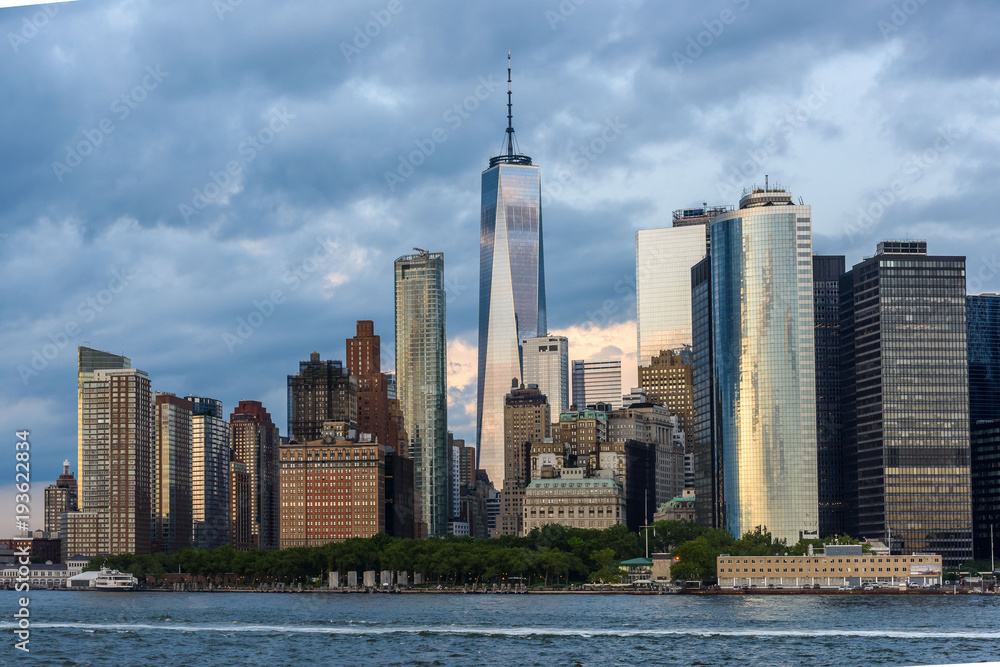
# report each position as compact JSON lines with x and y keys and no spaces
{"x":422,"y":380}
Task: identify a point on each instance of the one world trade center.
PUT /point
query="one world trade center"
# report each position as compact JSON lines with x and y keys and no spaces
{"x":511,"y":287}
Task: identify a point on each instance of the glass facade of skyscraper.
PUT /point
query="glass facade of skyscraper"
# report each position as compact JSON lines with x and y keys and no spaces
{"x":906,"y":425}
{"x":210,"y":456}
{"x":511,"y":295}
{"x":762,"y":291}
{"x":704,"y":442}
{"x":984,"y":356}
{"x":422,"y":380}
{"x":546,"y":364}
{"x":984,"y":414}
{"x":827,"y":270}
{"x":597,"y":381}
{"x":663,"y":261}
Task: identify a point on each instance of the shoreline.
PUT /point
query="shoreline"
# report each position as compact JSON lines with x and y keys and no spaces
{"x":425,"y":591}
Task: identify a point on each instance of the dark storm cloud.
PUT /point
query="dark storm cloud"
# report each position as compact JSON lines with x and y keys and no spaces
{"x":227,"y":143}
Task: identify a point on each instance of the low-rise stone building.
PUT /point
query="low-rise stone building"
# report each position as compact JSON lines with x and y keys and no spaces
{"x":573,"y":500}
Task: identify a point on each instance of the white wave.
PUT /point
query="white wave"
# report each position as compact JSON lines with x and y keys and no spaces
{"x":513,"y":632}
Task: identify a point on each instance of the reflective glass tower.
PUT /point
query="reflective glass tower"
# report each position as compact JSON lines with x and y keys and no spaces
{"x":422,"y":373}
{"x":762,"y":292}
{"x":511,"y":287}
{"x":827,"y":270}
{"x":546,"y":364}
{"x":984,"y":416}
{"x":663,"y":261}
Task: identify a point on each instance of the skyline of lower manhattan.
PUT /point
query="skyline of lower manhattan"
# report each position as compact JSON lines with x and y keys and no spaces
{"x":432,"y":302}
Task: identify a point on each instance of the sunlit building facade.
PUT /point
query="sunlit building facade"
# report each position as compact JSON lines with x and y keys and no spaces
{"x":254,"y":440}
{"x":762,"y":293}
{"x":210,"y":457}
{"x":511,"y":292}
{"x":117,"y":475}
{"x":597,"y":381}
{"x":668,"y":380}
{"x":89,"y":360}
{"x":663,"y":261}
{"x":331,"y":489}
{"x":171,"y":497}
{"x":546,"y":364}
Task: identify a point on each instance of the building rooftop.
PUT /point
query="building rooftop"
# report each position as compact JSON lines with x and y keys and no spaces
{"x":901,"y":248}
{"x":574,"y":483}
{"x":637,"y":562}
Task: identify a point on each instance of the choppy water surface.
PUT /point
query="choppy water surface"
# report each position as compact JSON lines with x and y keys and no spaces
{"x":82,"y":628}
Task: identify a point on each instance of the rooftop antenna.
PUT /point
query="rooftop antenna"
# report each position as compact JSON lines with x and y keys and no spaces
{"x":510,"y":115}
{"x":765,"y":182}
{"x":512,"y":155}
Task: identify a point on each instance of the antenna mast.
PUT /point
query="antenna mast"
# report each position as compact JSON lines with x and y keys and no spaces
{"x":510,"y":115}
{"x":510,"y":156}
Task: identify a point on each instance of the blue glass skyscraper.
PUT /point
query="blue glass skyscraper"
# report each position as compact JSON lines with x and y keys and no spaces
{"x":511,"y":287}
{"x":984,"y":418}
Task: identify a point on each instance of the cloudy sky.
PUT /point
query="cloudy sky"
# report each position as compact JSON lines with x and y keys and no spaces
{"x":171,"y":168}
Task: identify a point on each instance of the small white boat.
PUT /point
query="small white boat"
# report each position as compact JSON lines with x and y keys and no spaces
{"x":113,"y":580}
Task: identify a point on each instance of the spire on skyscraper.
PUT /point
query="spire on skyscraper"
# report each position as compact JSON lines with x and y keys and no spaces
{"x":509,"y":157}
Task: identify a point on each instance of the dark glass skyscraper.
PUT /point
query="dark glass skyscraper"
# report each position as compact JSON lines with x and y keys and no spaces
{"x":704,"y":440}
{"x":984,"y":356}
{"x":827,"y":270}
{"x":984,"y":413}
{"x":906,"y":401}
{"x":511,"y":287}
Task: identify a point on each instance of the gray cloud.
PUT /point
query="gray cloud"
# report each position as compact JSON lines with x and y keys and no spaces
{"x":353,"y":115}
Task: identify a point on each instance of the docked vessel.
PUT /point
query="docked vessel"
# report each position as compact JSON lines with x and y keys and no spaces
{"x":113,"y":580}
